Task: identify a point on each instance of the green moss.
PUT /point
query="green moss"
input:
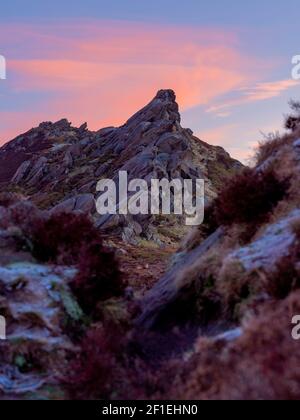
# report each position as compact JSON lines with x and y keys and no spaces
{"x":174,"y":233}
{"x":143,"y":243}
{"x":71,"y":306}
{"x":20,"y":362}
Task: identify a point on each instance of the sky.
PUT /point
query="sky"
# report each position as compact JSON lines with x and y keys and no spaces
{"x":100,"y":61}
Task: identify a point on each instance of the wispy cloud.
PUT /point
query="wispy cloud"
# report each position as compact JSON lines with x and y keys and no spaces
{"x":259,"y":92}
{"x":268,"y":90}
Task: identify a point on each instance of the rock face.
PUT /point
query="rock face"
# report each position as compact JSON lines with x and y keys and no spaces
{"x":34,"y":299}
{"x":271,"y":246}
{"x":83,"y":202}
{"x":261,"y":255}
{"x":55,"y":164}
{"x":37,"y":304}
{"x":170,"y":287}
{"x":229,"y":268}
{"x":27,"y":146}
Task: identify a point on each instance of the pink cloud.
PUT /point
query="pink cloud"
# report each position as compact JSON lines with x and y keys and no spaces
{"x":259,"y":92}
{"x":269,"y":90}
{"x":101,"y":72}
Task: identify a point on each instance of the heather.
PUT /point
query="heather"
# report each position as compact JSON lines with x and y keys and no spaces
{"x":125,"y":308}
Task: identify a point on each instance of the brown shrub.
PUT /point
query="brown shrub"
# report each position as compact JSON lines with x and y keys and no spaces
{"x":107,"y":366}
{"x":98,"y":278}
{"x":284,"y":280}
{"x":286,"y":276}
{"x":261,"y":364}
{"x":92,"y":373}
{"x":269,"y":146}
{"x":250,"y":197}
{"x":59,"y":238}
{"x":292,"y":122}
{"x":234,"y":286}
{"x":72,"y":239}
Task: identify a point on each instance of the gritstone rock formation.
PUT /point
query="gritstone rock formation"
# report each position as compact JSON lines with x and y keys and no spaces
{"x":58,"y":166}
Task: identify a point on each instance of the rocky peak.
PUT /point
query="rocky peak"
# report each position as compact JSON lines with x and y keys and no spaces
{"x":34,"y":143}
{"x":162,"y":108}
{"x":57,"y":164}
{"x":167,"y":95}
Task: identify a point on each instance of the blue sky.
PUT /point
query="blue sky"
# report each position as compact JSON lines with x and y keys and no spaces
{"x":95,"y":60}
{"x":231,"y":12}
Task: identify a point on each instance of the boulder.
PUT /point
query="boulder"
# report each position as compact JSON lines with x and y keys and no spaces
{"x":273,"y":244}
{"x":83,"y":202}
{"x":21,"y":172}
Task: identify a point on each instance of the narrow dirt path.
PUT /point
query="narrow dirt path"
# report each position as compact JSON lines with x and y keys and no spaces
{"x":144,"y":264}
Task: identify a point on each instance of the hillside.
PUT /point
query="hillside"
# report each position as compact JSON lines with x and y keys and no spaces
{"x":236,"y":280}
{"x":91,"y":316}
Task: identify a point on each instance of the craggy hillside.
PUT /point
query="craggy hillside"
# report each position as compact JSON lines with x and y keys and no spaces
{"x":88,"y":319}
{"x":237,"y":279}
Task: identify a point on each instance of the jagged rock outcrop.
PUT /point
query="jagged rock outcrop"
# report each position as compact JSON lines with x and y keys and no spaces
{"x":273,"y":244}
{"x":244,"y":262}
{"x":83,"y":202}
{"x":55,"y":164}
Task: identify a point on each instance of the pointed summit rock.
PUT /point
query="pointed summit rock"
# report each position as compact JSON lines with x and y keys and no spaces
{"x":162,"y":108}
{"x":56,"y":163}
